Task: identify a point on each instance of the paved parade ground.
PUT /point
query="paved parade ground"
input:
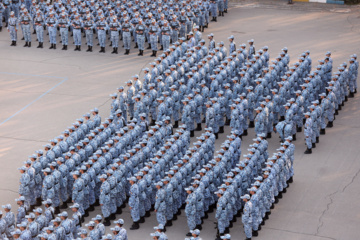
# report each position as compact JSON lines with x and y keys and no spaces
{"x":43,"y":91}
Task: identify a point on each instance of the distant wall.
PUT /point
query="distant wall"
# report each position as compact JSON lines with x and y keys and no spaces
{"x":329,"y":1}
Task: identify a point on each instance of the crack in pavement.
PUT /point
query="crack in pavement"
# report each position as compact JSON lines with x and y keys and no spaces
{"x":330,"y":196}
{"x":352,"y":180}
{"x":321,"y":223}
{"x":308,"y":234}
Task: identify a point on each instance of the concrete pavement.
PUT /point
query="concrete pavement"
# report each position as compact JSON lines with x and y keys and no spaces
{"x":43,"y":91}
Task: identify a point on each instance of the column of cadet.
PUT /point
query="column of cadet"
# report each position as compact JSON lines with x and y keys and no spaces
{"x":154,"y":22}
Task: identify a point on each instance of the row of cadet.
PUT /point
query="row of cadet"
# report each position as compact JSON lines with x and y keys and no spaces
{"x":58,"y":182}
{"x":45,"y":225}
{"x":165,"y":100}
{"x":201,"y":198}
{"x":268,"y":181}
{"x":312,"y":110}
{"x":153,"y":22}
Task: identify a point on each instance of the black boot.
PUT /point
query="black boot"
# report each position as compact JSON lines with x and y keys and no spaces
{"x":221,"y":130}
{"x":216,"y":135}
{"x":294,"y":137}
{"x":79,"y":48}
{"x":322,"y":131}
{"x":222,"y":14}
{"x":26,"y":44}
{"x":268,"y":135}
{"x":255,"y":233}
{"x":57,"y":210}
{"x":86,"y":213}
{"x":152,"y":55}
{"x":219,"y":14}
{"x":29,"y":45}
{"x":88,"y":50}
{"x":198,"y":127}
{"x":23,"y":38}
{"x":336,"y":112}
{"x":155,"y":53}
{"x":55,"y":46}
{"x":76,"y":48}
{"x":251,"y":124}
{"x":351,"y":95}
{"x":162,"y":48}
{"x":107,"y":222}
{"x":12,"y":43}
{"x":119,"y":210}
{"x":142,"y":220}
{"x":126,"y":52}
{"x":189,"y":234}
{"x":225,"y":10}
{"x":299,"y":129}
{"x":113,"y":51}
{"x":291,"y":180}
{"x":329,"y":125}
{"x":308,"y":151}
{"x":135,"y":226}
{"x":346,"y":99}
{"x":39,"y":46}
{"x":0,"y":29}
{"x":227,"y":122}
{"x":140,"y":54}
{"x":191,"y":133}
{"x":64,"y":205}
{"x":339,"y":107}
{"x":136,"y":45}
{"x":174,"y":217}
{"x":317,"y":139}
{"x":112,"y":216}
{"x":217,"y":235}
{"x":176,"y":124}
{"x":215,"y":19}
{"x":91,"y":208}
{"x":116,"y":50}
{"x":313,"y":145}
{"x":245,"y":132}
{"x":38,"y":202}
{"x":147,"y":214}
{"x":149,"y":47}
{"x":203,"y":121}
{"x":168,"y":223}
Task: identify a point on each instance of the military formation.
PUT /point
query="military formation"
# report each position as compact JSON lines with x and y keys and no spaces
{"x":136,"y":157}
{"x":150,"y":21}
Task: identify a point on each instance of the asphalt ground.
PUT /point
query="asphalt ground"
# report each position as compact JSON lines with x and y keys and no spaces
{"x":43,"y":91}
